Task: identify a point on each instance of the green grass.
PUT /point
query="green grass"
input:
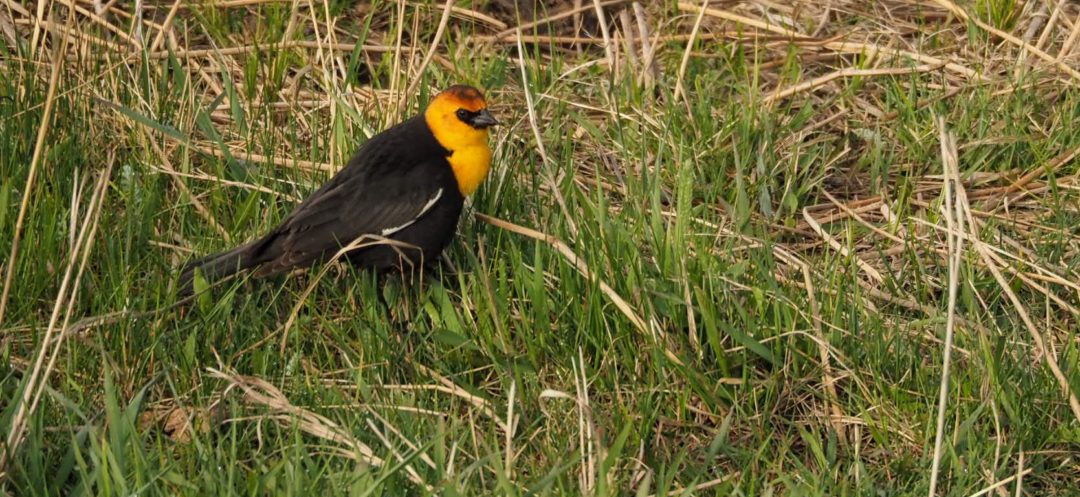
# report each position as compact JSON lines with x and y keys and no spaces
{"x":692,"y":211}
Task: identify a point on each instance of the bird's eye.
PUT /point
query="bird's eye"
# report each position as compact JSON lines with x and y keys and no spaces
{"x":463,"y":114}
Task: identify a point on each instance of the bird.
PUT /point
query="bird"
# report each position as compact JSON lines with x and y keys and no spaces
{"x":402,"y":193}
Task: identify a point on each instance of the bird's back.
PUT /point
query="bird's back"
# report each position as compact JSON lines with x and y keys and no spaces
{"x":394,"y":152}
{"x":383,"y":191}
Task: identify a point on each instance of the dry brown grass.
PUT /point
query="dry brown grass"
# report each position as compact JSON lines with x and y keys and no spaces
{"x":952,"y":48}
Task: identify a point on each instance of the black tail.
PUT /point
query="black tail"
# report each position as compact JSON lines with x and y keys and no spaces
{"x":215,"y":267}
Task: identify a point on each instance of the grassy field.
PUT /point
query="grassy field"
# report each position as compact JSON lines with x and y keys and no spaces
{"x":760,"y":248}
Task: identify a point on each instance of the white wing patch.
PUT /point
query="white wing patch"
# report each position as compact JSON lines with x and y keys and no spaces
{"x":427,"y":207}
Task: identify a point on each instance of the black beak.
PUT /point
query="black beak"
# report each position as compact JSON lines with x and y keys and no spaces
{"x":484,"y":119}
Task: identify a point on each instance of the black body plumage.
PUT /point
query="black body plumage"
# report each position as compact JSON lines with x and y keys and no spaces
{"x":399,"y":187}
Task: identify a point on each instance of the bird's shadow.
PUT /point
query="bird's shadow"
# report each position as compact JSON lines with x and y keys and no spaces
{"x":381,"y":305}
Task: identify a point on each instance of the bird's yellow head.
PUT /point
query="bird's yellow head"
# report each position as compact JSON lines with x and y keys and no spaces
{"x":459,"y":119}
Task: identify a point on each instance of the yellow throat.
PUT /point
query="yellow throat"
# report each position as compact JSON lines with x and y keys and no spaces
{"x":470,"y":156}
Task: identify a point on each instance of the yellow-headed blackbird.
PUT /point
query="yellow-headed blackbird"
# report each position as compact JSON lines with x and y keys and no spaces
{"x":405,"y":187}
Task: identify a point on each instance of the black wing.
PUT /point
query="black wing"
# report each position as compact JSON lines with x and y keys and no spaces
{"x":363,"y":199}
